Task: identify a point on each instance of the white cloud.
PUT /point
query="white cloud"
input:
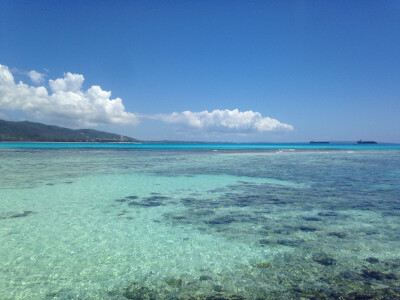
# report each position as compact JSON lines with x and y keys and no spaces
{"x":70,"y":83}
{"x":67,"y":103}
{"x":226,"y":121}
{"x":36,"y":77}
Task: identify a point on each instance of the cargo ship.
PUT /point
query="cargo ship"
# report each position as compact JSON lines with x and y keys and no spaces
{"x":366,"y":142}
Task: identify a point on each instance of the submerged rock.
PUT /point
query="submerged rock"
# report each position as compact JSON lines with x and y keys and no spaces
{"x":264,"y":265}
{"x":393,"y":264}
{"x":24,"y":214}
{"x":360,"y":296}
{"x":311,"y":294}
{"x":265,"y":242}
{"x":133,"y":197}
{"x":54,"y":294}
{"x":328,"y":214}
{"x":372,"y":260}
{"x":220,"y":220}
{"x":349,"y":275}
{"x":390,"y":276}
{"x":373,"y":274}
{"x":324,"y":260}
{"x":307,"y":229}
{"x":174,"y":282}
{"x":218,"y":288}
{"x":378,"y":275}
{"x":283,"y":231}
{"x":202,"y":212}
{"x":205,"y":277}
{"x":222,"y":297}
{"x":156,"y":198}
{"x":189,"y":201}
{"x":340,"y":235}
{"x":290,"y":243}
{"x":137,"y":292}
{"x":314,"y":219}
{"x":242,"y":201}
{"x":148,"y":201}
{"x":179,"y":217}
{"x":145,"y":204}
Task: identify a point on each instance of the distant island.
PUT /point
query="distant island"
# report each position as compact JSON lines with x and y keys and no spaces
{"x":26,"y":131}
{"x":366,"y":142}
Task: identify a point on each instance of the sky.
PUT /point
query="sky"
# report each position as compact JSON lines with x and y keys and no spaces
{"x":242,"y":71}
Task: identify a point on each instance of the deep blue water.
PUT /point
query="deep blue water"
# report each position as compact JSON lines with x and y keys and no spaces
{"x":205,"y":146}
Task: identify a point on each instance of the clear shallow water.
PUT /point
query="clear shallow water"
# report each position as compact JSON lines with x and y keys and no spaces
{"x":121,"y":223}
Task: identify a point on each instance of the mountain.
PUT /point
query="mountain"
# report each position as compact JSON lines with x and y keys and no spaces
{"x":26,"y":131}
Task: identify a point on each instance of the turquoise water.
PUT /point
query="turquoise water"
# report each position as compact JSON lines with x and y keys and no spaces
{"x":175,"y":221}
{"x":203,"y":146}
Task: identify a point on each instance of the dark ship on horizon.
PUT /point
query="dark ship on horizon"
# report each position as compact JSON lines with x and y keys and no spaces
{"x":366,"y":142}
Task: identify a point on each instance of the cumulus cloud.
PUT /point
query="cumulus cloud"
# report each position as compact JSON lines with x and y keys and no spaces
{"x":226,"y":121}
{"x":67,"y":102}
{"x":36,"y":77}
{"x":70,"y":83}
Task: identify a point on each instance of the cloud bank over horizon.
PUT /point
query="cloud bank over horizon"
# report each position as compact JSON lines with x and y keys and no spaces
{"x":66,"y":103}
{"x":225,"y":121}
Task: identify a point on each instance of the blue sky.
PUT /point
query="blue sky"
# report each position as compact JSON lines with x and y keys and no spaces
{"x":307,"y":70}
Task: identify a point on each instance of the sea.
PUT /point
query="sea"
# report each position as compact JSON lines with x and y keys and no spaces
{"x":199,"y":221}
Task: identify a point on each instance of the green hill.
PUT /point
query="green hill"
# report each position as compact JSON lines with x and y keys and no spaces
{"x":26,"y":131}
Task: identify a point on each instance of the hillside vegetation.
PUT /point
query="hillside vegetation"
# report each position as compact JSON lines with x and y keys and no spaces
{"x":26,"y":131}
